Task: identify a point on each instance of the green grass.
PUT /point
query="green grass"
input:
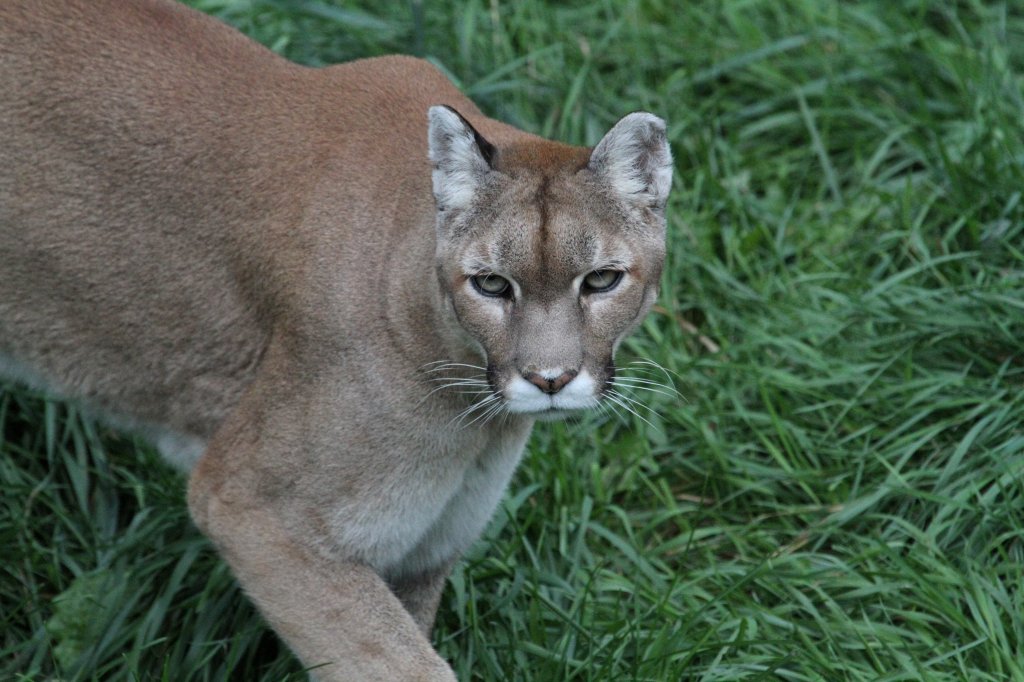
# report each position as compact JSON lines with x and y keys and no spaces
{"x":840,"y":493}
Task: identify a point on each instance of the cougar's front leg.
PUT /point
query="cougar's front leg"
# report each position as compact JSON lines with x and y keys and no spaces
{"x":338,"y":616}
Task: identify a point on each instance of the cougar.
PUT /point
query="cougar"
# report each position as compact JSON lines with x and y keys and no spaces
{"x":338,"y":297}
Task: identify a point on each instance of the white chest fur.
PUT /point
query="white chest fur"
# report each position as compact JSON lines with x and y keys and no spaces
{"x":423,"y":520}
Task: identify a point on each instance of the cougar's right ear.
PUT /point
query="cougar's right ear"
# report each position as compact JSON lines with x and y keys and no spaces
{"x":460,"y":155}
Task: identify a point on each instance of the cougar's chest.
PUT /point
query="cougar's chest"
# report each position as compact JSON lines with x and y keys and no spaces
{"x":429,"y":513}
{"x":468,"y":510}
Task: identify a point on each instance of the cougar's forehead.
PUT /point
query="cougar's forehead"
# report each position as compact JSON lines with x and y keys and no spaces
{"x":546,"y":230}
{"x":547,"y":225}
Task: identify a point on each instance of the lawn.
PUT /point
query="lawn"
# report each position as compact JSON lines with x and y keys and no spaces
{"x":837,"y":493}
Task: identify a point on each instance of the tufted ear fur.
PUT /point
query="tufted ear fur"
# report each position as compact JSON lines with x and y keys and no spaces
{"x":460,"y":155}
{"x":635,"y":160}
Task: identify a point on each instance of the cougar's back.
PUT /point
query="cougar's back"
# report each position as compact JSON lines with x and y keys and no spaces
{"x":120,"y":176}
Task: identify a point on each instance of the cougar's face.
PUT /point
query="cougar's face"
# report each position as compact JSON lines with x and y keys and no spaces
{"x":546,"y":265}
{"x":546,"y":283}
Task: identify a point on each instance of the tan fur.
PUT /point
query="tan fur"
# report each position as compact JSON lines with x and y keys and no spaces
{"x":232,"y":253}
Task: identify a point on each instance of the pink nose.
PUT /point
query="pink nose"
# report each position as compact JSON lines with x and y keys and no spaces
{"x":550,"y":385}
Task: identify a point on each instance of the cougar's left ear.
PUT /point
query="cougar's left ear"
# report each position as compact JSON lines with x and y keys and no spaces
{"x":461,"y":158}
{"x":635,"y":160}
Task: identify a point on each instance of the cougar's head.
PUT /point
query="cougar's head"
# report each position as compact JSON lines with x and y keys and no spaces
{"x":548,"y":255}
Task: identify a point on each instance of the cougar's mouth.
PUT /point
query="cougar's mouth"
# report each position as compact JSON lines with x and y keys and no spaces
{"x":525,"y":397}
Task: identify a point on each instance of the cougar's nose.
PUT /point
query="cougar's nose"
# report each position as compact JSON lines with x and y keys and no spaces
{"x":552,"y":385}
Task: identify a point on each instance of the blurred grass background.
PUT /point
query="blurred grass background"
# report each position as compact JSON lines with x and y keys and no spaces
{"x":839,"y":494}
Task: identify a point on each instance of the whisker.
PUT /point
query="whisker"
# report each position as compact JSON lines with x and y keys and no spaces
{"x":505,"y":416}
{"x":621,"y":400}
{"x":674,"y":395}
{"x":632,"y":411}
{"x":668,"y":373}
{"x":484,"y":388}
{"x":668,"y":390}
{"x":621,"y":377}
{"x":455,"y":364}
{"x":646,"y":373}
{"x":611,"y":406}
{"x":453,"y":422}
{"x":649,"y":390}
{"x":469,"y":380}
{"x":458,"y":419}
{"x":491,"y":406}
{"x":487,"y":414}
{"x":633,"y":401}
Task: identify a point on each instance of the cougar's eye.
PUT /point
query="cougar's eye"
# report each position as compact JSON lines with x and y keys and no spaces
{"x":601,"y":280}
{"x":491,"y":285}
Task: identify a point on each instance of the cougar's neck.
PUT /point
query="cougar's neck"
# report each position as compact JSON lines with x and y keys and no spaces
{"x":421,"y":324}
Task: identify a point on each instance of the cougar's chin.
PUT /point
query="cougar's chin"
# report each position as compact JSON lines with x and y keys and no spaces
{"x":554,"y":414}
